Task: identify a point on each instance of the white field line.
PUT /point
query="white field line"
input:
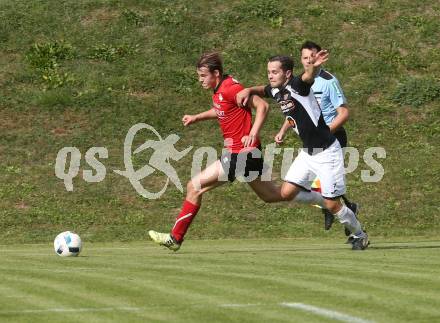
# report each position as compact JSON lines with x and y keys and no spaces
{"x":301,"y":306}
{"x":326,"y":313}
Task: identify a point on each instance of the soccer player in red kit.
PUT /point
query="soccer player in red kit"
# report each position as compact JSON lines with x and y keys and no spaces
{"x":242,"y":143}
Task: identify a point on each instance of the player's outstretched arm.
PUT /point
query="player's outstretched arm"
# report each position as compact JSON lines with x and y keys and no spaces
{"x":279,"y":137}
{"x":312,"y":69}
{"x":262,"y":108}
{"x":244,"y":95}
{"x":206,"y":115}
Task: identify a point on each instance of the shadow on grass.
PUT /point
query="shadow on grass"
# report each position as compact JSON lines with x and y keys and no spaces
{"x":400,"y":246}
{"x":404,"y":247}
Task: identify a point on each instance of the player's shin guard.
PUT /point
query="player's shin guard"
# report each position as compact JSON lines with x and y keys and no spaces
{"x":311,"y":197}
{"x":348,"y":219}
{"x":184,"y":219}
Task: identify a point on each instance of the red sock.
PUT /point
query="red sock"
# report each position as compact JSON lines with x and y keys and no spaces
{"x":184,"y":219}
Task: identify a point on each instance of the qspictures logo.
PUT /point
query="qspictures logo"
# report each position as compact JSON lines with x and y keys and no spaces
{"x":163,"y":152}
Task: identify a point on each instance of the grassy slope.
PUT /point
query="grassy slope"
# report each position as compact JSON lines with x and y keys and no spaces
{"x":375,"y":46}
{"x":133,"y":282}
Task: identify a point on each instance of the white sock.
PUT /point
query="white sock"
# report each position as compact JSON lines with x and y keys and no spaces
{"x":348,"y":219}
{"x":311,"y":197}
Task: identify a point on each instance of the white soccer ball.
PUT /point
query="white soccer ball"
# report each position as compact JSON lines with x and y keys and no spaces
{"x":67,"y":244}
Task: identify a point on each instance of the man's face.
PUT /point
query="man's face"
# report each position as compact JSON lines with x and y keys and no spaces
{"x":308,"y":56}
{"x":207,"y":79}
{"x":277,"y":77}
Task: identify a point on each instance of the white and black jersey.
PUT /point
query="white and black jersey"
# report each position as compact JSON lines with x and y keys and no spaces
{"x":299,"y":106}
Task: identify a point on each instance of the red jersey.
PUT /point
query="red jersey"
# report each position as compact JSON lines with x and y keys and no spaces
{"x":234,"y":121}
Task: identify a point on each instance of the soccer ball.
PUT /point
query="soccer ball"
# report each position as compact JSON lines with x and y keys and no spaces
{"x":67,"y":244}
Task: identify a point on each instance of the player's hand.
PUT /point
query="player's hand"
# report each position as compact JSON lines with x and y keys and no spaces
{"x":279,"y":137}
{"x":320,"y":58}
{"x":188,"y":119}
{"x":243,"y":97}
{"x":249,"y":140}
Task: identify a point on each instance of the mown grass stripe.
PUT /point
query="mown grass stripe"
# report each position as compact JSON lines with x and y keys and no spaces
{"x":72,"y":310}
{"x":151,"y":277}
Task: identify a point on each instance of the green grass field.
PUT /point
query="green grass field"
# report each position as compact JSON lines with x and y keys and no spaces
{"x":223,"y":281}
{"x":81,"y":73}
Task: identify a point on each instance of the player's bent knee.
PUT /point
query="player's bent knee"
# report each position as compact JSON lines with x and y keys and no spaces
{"x":193,"y":188}
{"x":287,"y":195}
{"x":289,"y":191}
{"x":333,"y":205}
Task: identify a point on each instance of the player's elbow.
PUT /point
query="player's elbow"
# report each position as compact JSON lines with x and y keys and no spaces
{"x":265,"y":107}
{"x":347,"y":114}
{"x":344,"y":113}
{"x":258,"y":103}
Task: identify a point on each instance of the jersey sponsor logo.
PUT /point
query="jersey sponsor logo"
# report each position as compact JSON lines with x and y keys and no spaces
{"x":218,"y":110}
{"x":286,"y":105}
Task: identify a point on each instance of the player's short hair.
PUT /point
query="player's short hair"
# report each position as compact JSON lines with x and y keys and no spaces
{"x":286,"y":62}
{"x":310,"y":45}
{"x":212,"y":61}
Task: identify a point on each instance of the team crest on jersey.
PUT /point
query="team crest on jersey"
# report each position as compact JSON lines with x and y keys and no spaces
{"x":220,"y":97}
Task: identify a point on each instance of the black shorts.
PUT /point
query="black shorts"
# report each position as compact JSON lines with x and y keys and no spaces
{"x":341,"y":135}
{"x":242,"y":164}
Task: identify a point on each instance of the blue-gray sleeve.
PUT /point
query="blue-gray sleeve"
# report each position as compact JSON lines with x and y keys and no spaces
{"x":336,"y":94}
